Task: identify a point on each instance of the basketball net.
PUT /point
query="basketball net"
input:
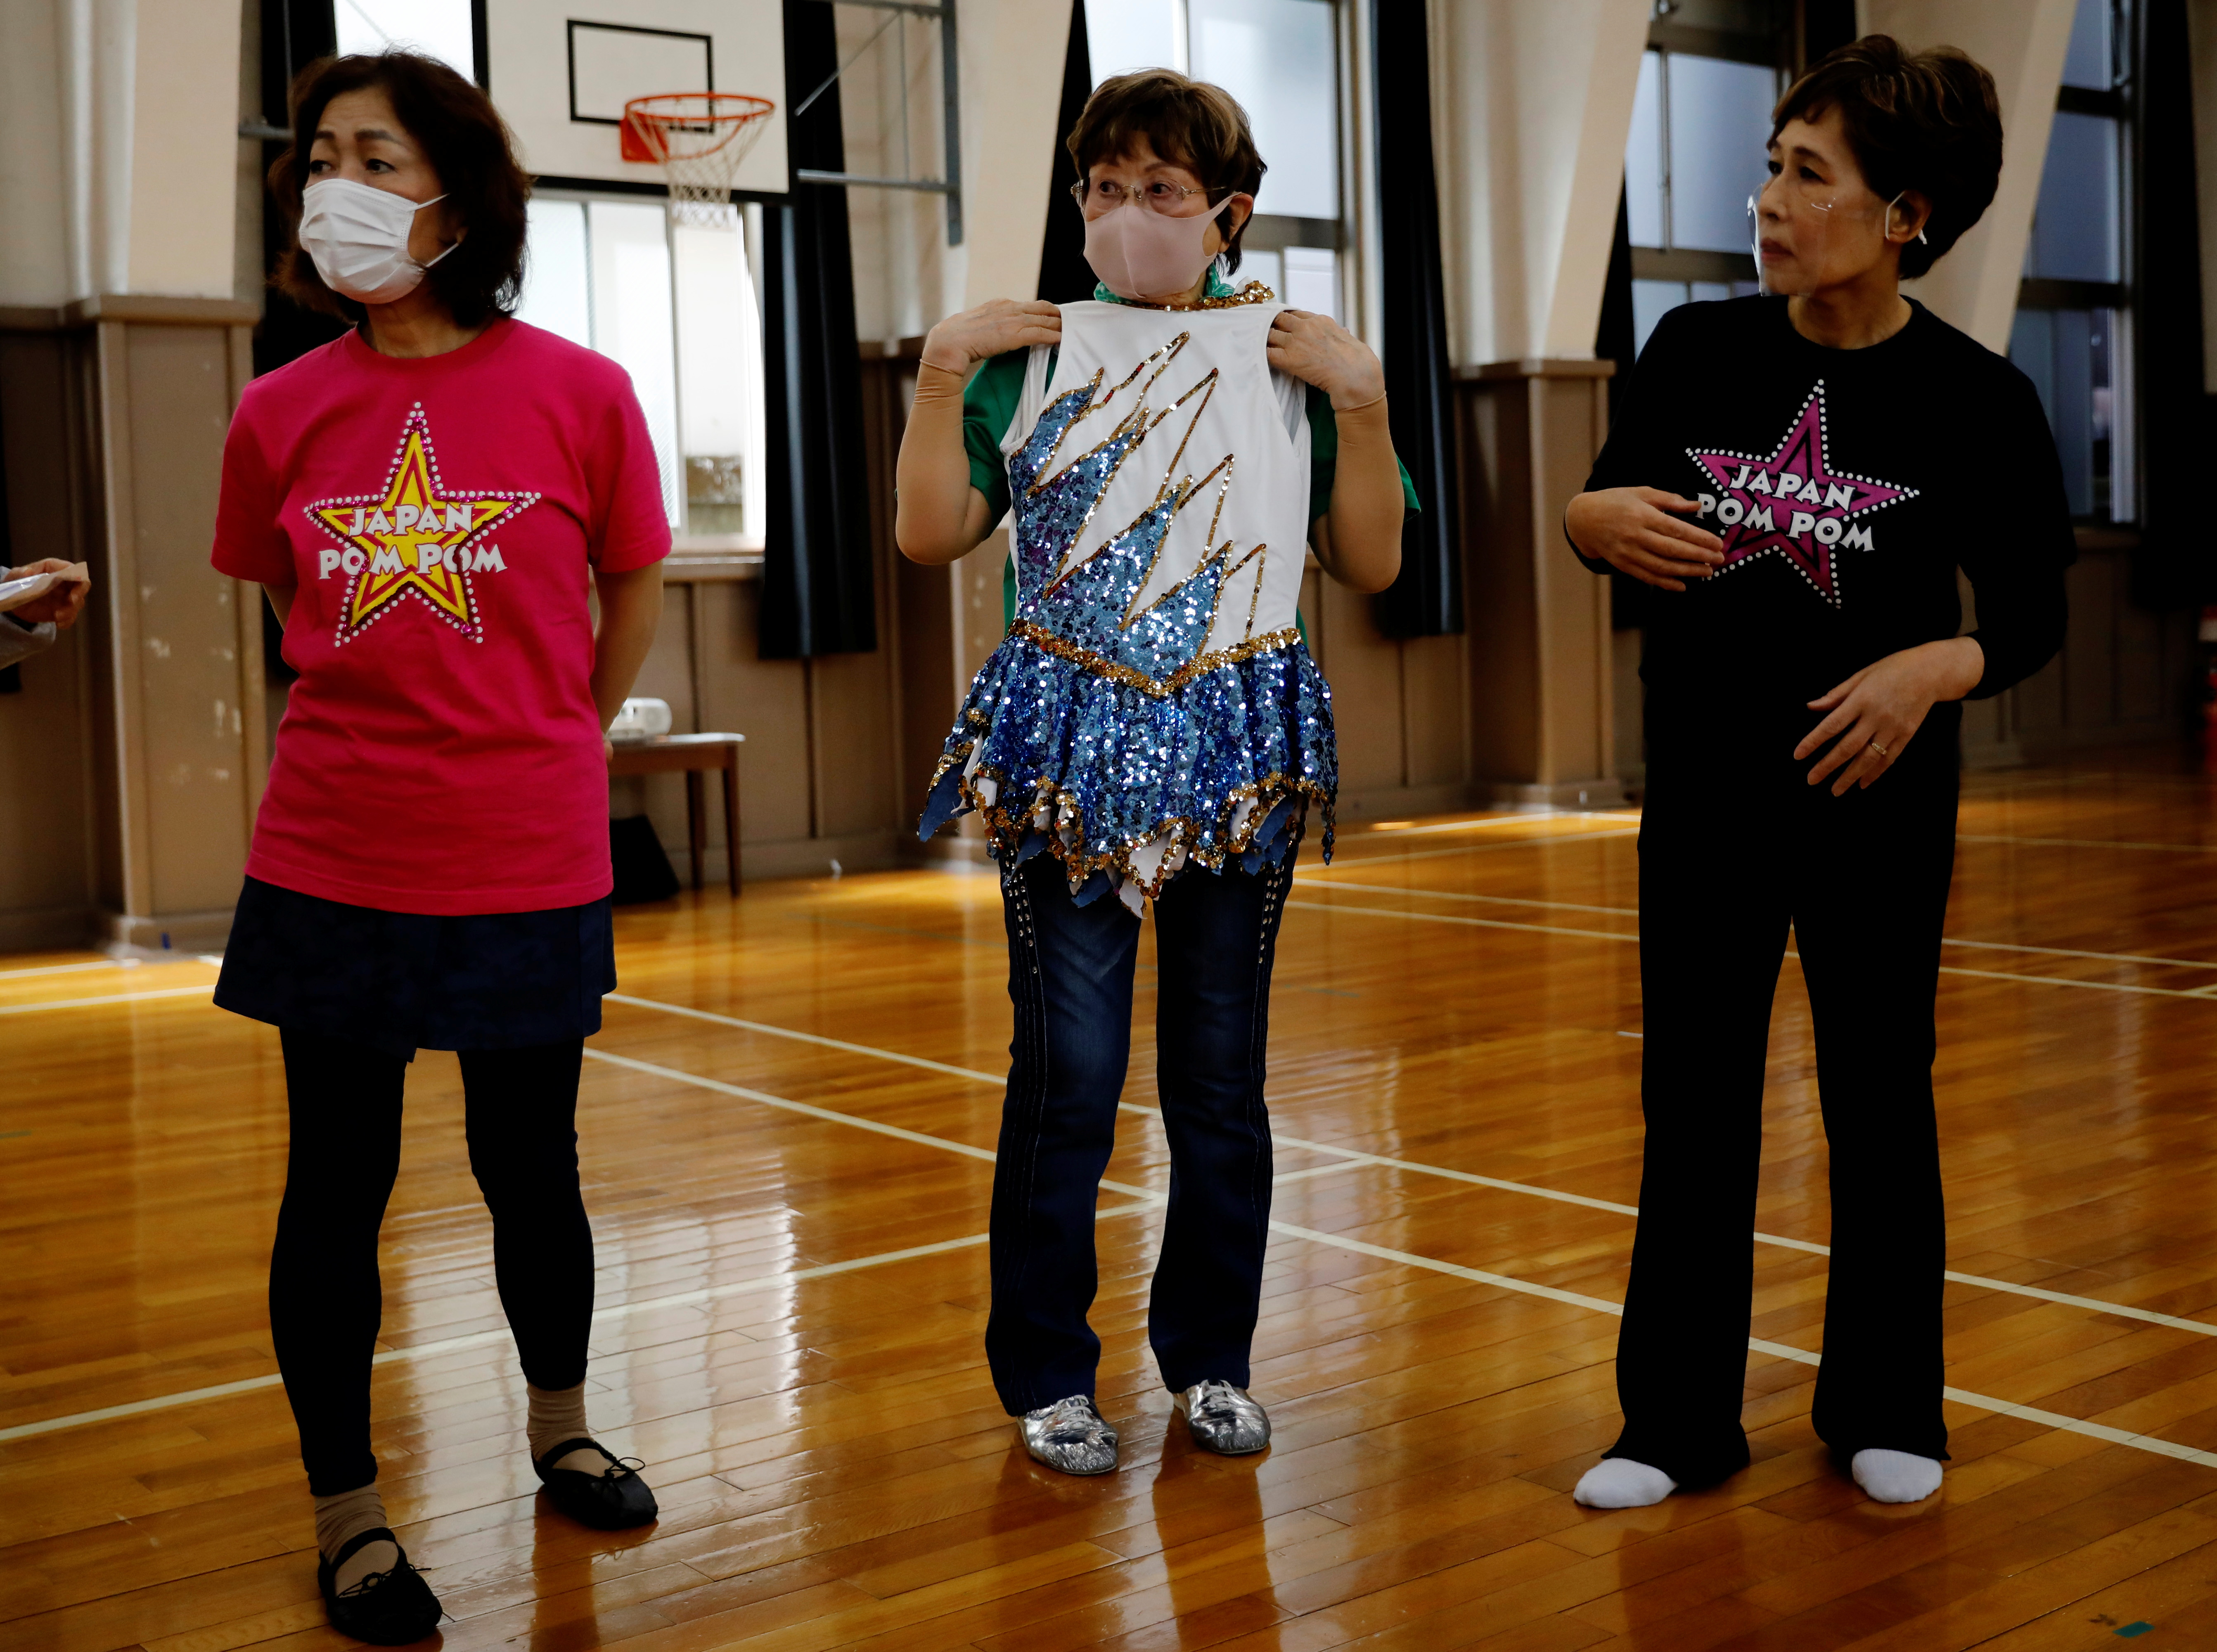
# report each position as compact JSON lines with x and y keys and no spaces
{"x":699,"y":140}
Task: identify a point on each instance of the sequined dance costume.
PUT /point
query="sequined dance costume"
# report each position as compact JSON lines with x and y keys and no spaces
{"x":1154,"y":706}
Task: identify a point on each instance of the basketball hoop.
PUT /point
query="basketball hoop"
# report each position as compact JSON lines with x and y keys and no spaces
{"x":698,"y":138}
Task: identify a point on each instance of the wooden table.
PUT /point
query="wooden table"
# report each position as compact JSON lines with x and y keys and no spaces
{"x":693,"y":754}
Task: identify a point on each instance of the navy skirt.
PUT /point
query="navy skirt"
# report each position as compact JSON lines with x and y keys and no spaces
{"x":398,"y":982}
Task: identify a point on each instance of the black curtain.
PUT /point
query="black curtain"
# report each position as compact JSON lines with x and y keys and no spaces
{"x":1426,"y":601}
{"x":1064,"y":276}
{"x":2173,"y":567}
{"x":295,"y":33}
{"x":817,"y":589}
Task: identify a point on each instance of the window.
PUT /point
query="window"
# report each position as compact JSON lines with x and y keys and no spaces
{"x":1280,"y":59}
{"x":675,"y":305}
{"x":2074,"y":317}
{"x":1701,"y":120}
{"x":440,"y":28}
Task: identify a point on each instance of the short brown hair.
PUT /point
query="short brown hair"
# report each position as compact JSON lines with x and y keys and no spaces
{"x":1190,"y":123}
{"x":1929,"y":122}
{"x":467,"y":142}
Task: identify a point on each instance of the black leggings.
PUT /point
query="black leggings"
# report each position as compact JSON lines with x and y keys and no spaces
{"x":325,"y":1297}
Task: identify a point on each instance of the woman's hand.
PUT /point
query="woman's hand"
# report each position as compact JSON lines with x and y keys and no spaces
{"x":1318,"y":350}
{"x":959,"y":343}
{"x":1632,"y":531}
{"x":1876,"y":713}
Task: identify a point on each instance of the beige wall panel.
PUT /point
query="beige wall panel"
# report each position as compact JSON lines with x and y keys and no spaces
{"x":2089,"y":665}
{"x":2146,"y":693}
{"x":1574,"y":602}
{"x":767,"y":700}
{"x":923,"y":608}
{"x":46,"y":871}
{"x":854,"y":738}
{"x":1366,"y":699}
{"x":1498,"y":591}
{"x":194,"y":755}
{"x":1435,"y":708}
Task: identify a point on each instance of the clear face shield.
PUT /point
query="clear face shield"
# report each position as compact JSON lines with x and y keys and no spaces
{"x":1799,"y":229}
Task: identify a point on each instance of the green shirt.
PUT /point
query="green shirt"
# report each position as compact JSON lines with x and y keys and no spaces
{"x":989,"y":404}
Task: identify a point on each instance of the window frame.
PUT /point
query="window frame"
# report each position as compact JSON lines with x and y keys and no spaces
{"x":2044,"y":294}
{"x":742,"y":547}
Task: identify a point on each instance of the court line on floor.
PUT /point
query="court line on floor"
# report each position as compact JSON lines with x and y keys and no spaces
{"x":72,"y":969}
{"x":1144,"y":1197}
{"x":1345,"y":859}
{"x":1357,"y":1156}
{"x":1350,"y":1156}
{"x":107,"y":998}
{"x":484,"y":1339}
{"x":2197,"y":993}
{"x":1633,"y":912}
{"x":2086,"y":843}
{"x":1493,"y":820}
{"x":1525,"y":1287}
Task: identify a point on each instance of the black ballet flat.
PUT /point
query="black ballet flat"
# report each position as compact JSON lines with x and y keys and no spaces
{"x":614,"y":1500}
{"x":389,"y":1608}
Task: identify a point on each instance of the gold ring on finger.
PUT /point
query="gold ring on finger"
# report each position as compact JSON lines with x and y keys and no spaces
{"x":1877,"y":748}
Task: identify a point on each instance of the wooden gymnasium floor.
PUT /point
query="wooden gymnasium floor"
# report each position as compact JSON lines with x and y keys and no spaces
{"x":788,"y":1123}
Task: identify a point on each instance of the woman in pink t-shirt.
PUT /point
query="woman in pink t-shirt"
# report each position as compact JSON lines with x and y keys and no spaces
{"x":427,"y":500}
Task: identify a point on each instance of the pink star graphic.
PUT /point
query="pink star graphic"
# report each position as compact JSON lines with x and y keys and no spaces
{"x":1793,"y":502}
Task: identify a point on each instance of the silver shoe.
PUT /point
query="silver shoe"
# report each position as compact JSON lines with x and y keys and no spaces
{"x":1071,"y":1436}
{"x":1224,"y":1419}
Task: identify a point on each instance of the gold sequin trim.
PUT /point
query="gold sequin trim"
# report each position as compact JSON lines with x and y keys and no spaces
{"x":1253,"y":292}
{"x":1062,"y":649}
{"x":1008,"y":825}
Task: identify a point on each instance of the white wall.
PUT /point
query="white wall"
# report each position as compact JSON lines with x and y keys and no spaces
{"x":119,"y":152}
{"x":34,"y":251}
{"x":1532,"y":101}
{"x":906,"y":277}
{"x":2021,"y":44}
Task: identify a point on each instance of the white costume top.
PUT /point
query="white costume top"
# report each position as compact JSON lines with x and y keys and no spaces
{"x":1153,"y":704}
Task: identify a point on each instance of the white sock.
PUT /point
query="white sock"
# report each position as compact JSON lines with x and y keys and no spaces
{"x":344,"y":1516}
{"x":557,"y":1415}
{"x":1896,"y":1476}
{"x":1619,"y":1482}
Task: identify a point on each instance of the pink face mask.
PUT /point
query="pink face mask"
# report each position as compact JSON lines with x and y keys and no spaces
{"x":1140,"y":253}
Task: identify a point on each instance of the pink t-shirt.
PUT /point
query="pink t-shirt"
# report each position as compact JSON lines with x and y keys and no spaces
{"x":441,"y":517}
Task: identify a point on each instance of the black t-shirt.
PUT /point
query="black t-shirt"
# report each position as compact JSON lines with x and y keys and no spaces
{"x":1848,"y":487}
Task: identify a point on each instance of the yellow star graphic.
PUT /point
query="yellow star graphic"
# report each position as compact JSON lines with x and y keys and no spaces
{"x":418,"y":536}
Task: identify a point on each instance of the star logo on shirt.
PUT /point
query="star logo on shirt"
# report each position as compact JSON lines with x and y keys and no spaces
{"x":414,"y":537}
{"x":1793,"y":503}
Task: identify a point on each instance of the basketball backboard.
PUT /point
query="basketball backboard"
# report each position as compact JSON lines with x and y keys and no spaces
{"x":562,"y":69}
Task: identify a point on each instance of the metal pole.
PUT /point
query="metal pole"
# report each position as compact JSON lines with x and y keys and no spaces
{"x":950,"y":70}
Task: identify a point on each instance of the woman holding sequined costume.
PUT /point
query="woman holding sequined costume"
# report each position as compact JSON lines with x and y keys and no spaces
{"x":1153,"y":727}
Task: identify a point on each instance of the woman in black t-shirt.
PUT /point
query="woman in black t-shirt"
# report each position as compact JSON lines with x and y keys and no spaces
{"x":1801,"y":475}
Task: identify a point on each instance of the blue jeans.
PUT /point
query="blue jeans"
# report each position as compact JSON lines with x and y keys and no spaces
{"x":1070,"y":979}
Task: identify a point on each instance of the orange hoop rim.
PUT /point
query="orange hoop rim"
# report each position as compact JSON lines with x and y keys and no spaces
{"x":647,"y":128}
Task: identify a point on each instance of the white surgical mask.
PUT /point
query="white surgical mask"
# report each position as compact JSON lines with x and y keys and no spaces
{"x":358,"y":237}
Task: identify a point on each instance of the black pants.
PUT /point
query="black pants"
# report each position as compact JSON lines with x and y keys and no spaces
{"x":1070,"y":977}
{"x":1735,"y":846}
{"x":325,"y":1298}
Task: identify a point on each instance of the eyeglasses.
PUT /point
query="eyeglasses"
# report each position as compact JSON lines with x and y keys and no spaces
{"x":1160,"y":194}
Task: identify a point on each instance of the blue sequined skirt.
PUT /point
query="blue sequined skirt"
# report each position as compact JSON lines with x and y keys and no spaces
{"x":1128,"y":787}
